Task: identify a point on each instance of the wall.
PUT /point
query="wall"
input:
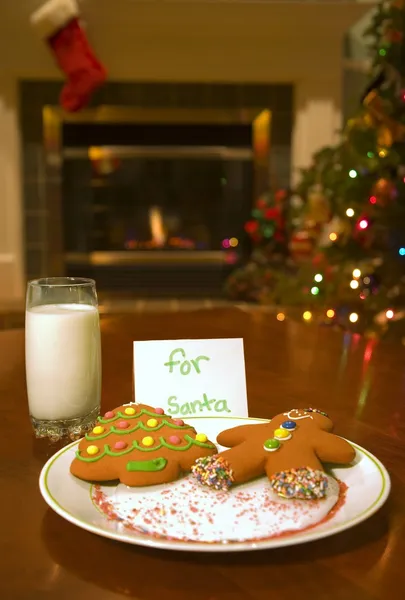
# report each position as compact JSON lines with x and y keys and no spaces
{"x":185,"y":42}
{"x":11,"y":247}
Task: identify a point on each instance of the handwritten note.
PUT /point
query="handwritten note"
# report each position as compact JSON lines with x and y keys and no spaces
{"x":192,"y":377}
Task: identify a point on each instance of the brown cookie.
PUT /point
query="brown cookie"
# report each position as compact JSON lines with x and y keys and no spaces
{"x":139,"y":445}
{"x":290,"y":449}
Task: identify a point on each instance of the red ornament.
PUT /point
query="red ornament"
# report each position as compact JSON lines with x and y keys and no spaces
{"x":280,"y":196}
{"x":272,"y":213}
{"x":279,"y":236}
{"x":318,"y":259}
{"x":301,"y":245}
{"x":394,"y":36}
{"x":261,"y":204}
{"x":251,"y":227}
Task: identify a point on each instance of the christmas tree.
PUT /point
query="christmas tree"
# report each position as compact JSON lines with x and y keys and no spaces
{"x":352,"y":271}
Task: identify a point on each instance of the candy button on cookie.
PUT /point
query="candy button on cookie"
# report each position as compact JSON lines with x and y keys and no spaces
{"x":290,"y":425}
{"x":271,"y":445}
{"x":129,"y":411}
{"x":282,"y":434}
{"x":97,"y":430}
{"x":201,"y":437}
{"x":159,"y":411}
{"x":92,"y":450}
{"x":122,"y":424}
{"x":174,"y":439}
{"x":147,"y":441}
{"x":152,"y":423}
{"x":178,"y":422}
{"x":109,"y":414}
{"x":121,"y":445}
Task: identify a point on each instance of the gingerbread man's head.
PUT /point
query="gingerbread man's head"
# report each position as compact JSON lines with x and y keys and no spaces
{"x":305,"y":418}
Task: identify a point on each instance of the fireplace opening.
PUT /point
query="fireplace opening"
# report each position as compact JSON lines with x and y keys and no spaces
{"x":158,"y":208}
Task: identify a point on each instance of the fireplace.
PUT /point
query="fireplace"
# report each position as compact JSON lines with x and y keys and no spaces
{"x":154,"y":201}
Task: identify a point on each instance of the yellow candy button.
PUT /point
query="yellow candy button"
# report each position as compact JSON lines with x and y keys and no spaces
{"x":282,"y":434}
{"x":97,"y":430}
{"x":92,"y":450}
{"x":201,"y":437}
{"x":147,"y":441}
{"x":129,"y":411}
{"x":152,"y":422}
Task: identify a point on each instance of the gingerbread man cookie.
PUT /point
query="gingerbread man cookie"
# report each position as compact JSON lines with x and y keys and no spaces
{"x":139,"y":445}
{"x":290,"y":449}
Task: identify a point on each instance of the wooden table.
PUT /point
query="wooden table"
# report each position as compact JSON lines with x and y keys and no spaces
{"x":360,"y":383}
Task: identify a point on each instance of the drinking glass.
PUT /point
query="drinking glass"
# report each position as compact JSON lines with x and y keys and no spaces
{"x":62,"y":356}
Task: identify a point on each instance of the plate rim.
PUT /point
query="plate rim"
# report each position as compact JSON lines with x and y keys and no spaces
{"x":179,"y":545}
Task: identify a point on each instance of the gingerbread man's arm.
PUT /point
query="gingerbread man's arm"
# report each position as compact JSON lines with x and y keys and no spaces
{"x":237,"y":435}
{"x":330,"y":448}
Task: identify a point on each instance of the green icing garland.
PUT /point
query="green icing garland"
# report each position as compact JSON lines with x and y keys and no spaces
{"x":136,"y":446}
{"x":156,"y":464}
{"x":140,"y":425}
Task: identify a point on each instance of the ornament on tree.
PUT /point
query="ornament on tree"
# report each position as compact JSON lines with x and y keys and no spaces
{"x":336,"y":229}
{"x":363,"y":232}
{"x":301,"y":246}
{"x":268,"y":220}
{"x":318,"y":209}
{"x":57,"y":21}
{"x":378,"y":111}
{"x":384,"y":191}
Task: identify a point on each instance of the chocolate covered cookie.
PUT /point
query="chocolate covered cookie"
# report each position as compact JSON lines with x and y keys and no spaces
{"x":291,"y":450}
{"x":139,"y":445}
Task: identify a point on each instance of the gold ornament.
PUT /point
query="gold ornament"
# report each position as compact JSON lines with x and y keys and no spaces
{"x":384,"y":190}
{"x":368,"y":120}
{"x":318,"y":210}
{"x":376,"y":110}
{"x":384,"y":137}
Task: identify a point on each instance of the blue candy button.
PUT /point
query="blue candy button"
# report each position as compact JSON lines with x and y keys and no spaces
{"x":289,"y":425}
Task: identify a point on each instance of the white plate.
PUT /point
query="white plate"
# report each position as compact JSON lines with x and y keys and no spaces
{"x":367,"y":480}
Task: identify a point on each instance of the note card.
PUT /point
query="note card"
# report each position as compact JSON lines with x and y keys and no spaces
{"x":192,"y":377}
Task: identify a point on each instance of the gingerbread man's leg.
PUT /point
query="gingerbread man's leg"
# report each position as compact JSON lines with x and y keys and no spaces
{"x":230,"y":467}
{"x":307,"y":482}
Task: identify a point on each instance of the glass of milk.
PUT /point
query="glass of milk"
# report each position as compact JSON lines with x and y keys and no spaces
{"x":62,"y":356}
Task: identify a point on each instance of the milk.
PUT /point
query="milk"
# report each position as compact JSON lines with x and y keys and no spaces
{"x":63,"y":360}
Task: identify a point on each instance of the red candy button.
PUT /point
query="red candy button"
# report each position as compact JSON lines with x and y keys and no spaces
{"x":109,"y":414}
{"x":120,"y":445}
{"x":175,"y":440}
{"x":122,"y":424}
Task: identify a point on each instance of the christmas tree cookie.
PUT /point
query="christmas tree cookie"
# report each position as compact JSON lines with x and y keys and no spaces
{"x":139,"y":445}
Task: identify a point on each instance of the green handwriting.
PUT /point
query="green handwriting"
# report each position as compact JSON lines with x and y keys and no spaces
{"x":197,"y":406}
{"x":185,"y":365}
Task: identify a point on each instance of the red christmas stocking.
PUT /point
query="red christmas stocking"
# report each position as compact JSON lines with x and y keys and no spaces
{"x":58,"y":22}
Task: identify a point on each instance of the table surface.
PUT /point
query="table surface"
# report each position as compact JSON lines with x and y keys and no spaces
{"x":359,"y":382}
